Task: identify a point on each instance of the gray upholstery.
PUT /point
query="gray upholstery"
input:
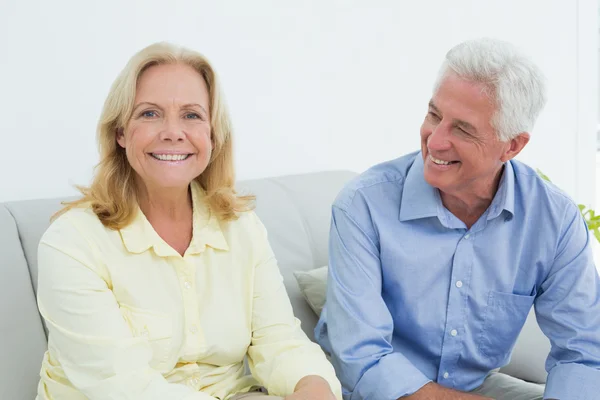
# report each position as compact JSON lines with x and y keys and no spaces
{"x":295,"y":210}
{"x":22,"y":338}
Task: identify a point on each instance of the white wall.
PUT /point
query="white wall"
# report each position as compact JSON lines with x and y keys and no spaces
{"x":312,"y":85}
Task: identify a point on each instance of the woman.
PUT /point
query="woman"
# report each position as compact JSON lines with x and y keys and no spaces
{"x":159,"y":281}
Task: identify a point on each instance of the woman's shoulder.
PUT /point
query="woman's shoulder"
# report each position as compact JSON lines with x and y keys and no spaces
{"x":244,"y":221}
{"x":75,"y":235}
{"x":75,"y":224}
{"x":246,"y":230}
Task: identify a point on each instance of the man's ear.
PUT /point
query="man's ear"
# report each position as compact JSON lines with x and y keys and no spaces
{"x":120,"y":136}
{"x":515,"y":145}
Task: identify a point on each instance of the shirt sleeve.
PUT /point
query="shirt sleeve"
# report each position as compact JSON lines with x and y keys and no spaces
{"x":568,"y":312}
{"x":359,"y":325}
{"x":280,"y":353}
{"x":88,"y":335}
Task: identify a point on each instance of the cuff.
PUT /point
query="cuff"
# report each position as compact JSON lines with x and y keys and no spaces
{"x":391,"y":378}
{"x":306,"y":360}
{"x":572,"y":381}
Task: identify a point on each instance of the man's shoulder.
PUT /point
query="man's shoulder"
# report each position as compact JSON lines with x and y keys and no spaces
{"x":388,"y":173}
{"x":535,"y":188}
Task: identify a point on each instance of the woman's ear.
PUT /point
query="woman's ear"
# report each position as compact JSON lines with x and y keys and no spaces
{"x":120,"y":136}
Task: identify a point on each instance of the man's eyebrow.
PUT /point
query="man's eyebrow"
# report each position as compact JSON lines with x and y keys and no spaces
{"x":432,"y":106}
{"x":466,"y":125}
{"x":457,"y":122}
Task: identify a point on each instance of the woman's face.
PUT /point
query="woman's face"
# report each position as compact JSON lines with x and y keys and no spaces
{"x":168,"y":138}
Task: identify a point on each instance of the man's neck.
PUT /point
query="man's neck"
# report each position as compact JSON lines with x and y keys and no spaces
{"x":469,"y":205}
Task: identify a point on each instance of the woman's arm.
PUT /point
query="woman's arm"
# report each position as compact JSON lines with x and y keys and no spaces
{"x":89,"y":336}
{"x":281,"y":356}
{"x":312,"y":387}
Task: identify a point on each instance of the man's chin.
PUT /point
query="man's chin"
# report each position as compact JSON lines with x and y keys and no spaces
{"x":433,"y":179}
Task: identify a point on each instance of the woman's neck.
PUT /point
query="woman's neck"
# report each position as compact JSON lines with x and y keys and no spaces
{"x":162,"y":204}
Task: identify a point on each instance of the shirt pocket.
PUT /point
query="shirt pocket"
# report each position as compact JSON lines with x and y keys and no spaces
{"x":156,"y":327}
{"x":504,"y":317}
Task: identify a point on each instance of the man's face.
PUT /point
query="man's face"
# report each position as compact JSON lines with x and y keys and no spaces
{"x":460,"y":148}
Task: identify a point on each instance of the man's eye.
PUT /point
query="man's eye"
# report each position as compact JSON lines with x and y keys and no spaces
{"x":433,"y":116}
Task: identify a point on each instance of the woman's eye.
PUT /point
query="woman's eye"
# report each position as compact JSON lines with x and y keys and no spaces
{"x":148,"y":114}
{"x":192,"y":116}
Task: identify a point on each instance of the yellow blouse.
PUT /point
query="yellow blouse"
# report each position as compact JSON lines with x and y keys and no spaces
{"x":130,"y":318}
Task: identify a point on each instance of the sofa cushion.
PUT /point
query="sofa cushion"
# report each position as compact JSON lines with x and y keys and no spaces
{"x":21,"y":332}
{"x":313,"y":286}
{"x":33,"y":218}
{"x":296,"y":210}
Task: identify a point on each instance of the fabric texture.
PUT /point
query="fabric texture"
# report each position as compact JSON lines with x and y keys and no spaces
{"x":112,"y":301}
{"x":313,"y":285}
{"x":500,"y":386}
{"x":412,"y":292}
{"x":259,"y":394}
{"x":255,"y":396}
{"x":295,"y":210}
{"x":22,"y":339}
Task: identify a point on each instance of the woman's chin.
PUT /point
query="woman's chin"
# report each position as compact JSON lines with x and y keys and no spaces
{"x":168,"y":184}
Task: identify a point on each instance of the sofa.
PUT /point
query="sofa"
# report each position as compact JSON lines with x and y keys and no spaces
{"x":295,"y":210}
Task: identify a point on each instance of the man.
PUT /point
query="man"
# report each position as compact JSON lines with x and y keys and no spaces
{"x":437,"y":257}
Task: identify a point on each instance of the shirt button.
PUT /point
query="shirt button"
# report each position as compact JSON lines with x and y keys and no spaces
{"x":193,"y":381}
{"x":459,"y":284}
{"x":187,"y":285}
{"x":446,"y":375}
{"x":194,"y":329}
{"x":145,"y":333}
{"x":467,"y":236}
{"x":454,"y":332}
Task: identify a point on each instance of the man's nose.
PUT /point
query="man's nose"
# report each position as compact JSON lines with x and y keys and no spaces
{"x":439,"y":138}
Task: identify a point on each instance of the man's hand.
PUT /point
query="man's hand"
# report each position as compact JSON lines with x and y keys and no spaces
{"x":312,"y":387}
{"x":433,"y":391}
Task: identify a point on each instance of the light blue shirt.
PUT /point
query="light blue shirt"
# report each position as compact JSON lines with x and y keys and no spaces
{"x":414,"y":296}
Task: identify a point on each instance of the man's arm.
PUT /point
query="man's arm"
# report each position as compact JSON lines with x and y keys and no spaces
{"x":568,"y":312}
{"x":359,"y":324}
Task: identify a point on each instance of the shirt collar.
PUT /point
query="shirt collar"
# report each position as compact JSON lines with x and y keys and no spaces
{"x":139,"y":235}
{"x":505,"y":196}
{"x":421,"y":200}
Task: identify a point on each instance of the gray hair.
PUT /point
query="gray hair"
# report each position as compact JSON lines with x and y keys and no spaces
{"x":515,"y":84}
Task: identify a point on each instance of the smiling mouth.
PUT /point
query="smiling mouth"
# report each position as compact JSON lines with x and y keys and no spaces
{"x":441,"y":162}
{"x":170,"y":157}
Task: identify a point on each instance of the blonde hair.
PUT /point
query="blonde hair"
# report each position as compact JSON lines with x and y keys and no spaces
{"x":112,"y":194}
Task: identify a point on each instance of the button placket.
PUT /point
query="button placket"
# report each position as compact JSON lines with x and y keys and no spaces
{"x":452,"y":343}
{"x":187,"y":279}
{"x":193,"y":381}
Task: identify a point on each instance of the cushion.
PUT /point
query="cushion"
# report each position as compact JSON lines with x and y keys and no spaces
{"x":313,"y":286}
